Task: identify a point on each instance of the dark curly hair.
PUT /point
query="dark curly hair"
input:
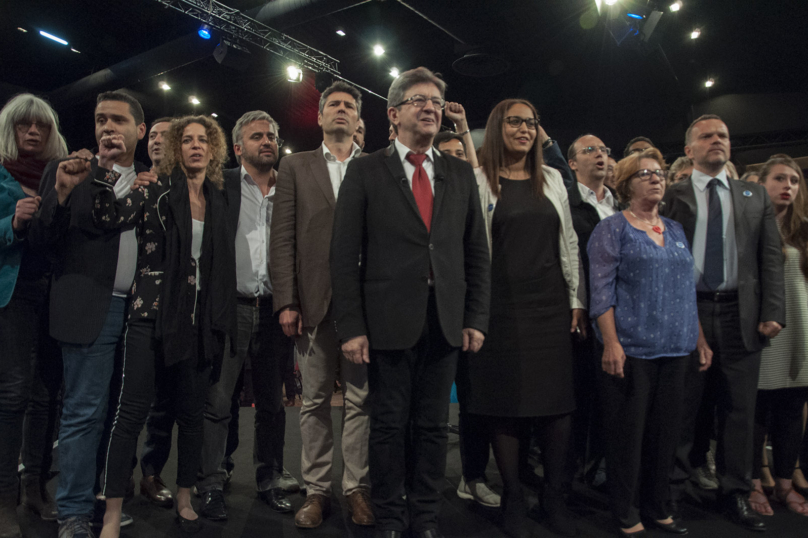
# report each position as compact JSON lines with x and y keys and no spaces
{"x":217,"y":143}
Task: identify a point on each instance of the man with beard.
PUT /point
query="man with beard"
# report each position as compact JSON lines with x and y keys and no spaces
{"x":250,"y":192}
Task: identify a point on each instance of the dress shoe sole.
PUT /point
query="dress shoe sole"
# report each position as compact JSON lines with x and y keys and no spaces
{"x":734,"y":519}
{"x":167,"y":503}
{"x":363,"y":524}
{"x":307,"y":526}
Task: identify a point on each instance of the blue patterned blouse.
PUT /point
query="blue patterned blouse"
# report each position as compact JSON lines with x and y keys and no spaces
{"x":650,"y":287}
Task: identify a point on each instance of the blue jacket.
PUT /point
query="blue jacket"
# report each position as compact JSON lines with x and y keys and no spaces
{"x":10,"y":246}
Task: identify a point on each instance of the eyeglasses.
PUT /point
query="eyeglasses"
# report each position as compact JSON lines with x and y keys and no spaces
{"x":645,"y":174}
{"x":592,"y":149}
{"x":516,"y":122}
{"x":25,"y":126}
{"x":419,"y":101}
{"x":277,"y":139}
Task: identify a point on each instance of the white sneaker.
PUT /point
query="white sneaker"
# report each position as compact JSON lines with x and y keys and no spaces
{"x":478,"y":491}
{"x":704,"y":478}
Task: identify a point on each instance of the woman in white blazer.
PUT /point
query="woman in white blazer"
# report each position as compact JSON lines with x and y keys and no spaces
{"x":523,"y":375}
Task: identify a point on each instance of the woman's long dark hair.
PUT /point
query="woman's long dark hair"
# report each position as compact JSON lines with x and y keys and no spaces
{"x":492,"y":153}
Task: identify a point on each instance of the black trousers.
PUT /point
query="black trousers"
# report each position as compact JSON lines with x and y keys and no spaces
{"x":30,"y":383}
{"x":157,"y":445}
{"x":588,"y":443}
{"x":779,"y":414}
{"x":145,"y":377}
{"x":475,"y":430}
{"x":409,"y":394}
{"x":642,"y":412}
{"x":732,"y":382}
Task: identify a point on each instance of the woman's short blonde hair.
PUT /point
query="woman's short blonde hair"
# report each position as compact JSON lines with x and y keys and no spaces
{"x":217,"y":142}
{"x":629,"y":166}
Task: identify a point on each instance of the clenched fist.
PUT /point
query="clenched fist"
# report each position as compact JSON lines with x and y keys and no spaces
{"x":68,"y":175}
{"x":24,"y":212}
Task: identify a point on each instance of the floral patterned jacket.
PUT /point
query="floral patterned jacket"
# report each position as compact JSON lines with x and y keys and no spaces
{"x":144,"y":209}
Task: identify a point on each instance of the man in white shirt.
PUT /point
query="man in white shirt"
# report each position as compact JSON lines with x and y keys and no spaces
{"x":250,"y":192}
{"x":306,"y":193}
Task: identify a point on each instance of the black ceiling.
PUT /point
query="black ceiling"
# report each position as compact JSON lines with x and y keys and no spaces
{"x":561,"y":57}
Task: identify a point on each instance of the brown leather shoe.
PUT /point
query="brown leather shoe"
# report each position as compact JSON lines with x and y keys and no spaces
{"x":313,"y":511}
{"x":154,"y":489}
{"x":359,"y":507}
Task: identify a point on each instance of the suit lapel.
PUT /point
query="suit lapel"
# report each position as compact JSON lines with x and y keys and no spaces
{"x":319,"y":169}
{"x":393,"y":163}
{"x":440,"y":183}
{"x":738,"y":205}
{"x":688,"y":218}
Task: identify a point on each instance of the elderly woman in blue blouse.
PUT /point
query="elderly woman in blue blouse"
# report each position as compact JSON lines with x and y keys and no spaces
{"x":644,"y":301}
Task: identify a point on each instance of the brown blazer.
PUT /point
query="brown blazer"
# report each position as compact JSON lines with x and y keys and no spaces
{"x":300,"y":238}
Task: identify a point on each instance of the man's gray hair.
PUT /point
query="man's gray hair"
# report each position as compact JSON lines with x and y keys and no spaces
{"x":408,"y":79}
{"x":344,"y":87}
{"x":28,"y":107}
{"x":248,"y":118}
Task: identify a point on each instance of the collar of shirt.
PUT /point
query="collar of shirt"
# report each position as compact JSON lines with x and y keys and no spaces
{"x":330,"y":157}
{"x":403,"y":151}
{"x":247,"y":178}
{"x":592,"y":196}
{"x":700,"y":179}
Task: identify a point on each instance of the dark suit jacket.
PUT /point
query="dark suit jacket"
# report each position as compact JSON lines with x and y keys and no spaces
{"x":85,"y":258}
{"x":761,"y":292}
{"x":302,"y":216}
{"x":232,"y":191}
{"x":386,"y":296}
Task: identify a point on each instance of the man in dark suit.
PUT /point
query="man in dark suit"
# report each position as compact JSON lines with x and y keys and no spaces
{"x":93,"y":274}
{"x":306,"y":193}
{"x":250,"y":191}
{"x":419,"y":294}
{"x":739,"y":281}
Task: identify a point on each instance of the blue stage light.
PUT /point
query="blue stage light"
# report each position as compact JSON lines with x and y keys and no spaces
{"x":634,"y":16}
{"x":204,"y":31}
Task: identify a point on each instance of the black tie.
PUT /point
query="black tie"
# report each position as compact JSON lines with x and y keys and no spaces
{"x":714,"y":249}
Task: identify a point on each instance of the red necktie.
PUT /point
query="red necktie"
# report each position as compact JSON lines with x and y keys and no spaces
{"x":421,"y":189}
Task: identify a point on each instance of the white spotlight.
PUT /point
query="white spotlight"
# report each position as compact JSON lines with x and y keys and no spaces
{"x":21,"y":29}
{"x":287,"y":151}
{"x":193,"y":100}
{"x":164,"y":86}
{"x":394,"y":72}
{"x":709,"y":83}
{"x":53,"y":37}
{"x":610,"y":2}
{"x":378,"y":50}
{"x":76,"y":51}
{"x":215,"y":115}
{"x":340,"y":33}
{"x":695,"y":34}
{"x":294,"y":74}
{"x":676,"y":6}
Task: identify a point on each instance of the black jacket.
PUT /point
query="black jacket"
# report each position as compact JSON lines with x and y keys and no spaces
{"x":376,"y":217}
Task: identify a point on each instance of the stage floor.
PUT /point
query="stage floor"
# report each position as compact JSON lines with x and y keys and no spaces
{"x":250,"y":517}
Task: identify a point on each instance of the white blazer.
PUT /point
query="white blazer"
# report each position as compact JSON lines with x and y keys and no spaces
{"x":556,"y":192}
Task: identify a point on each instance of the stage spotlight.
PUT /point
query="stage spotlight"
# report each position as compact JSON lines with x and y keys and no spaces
{"x":709,"y":83}
{"x":676,"y":6}
{"x":204,"y":31}
{"x":610,"y":2}
{"x":378,"y":50}
{"x":294,"y":74}
{"x":21,"y":29}
{"x":215,"y":115}
{"x":341,"y":33}
{"x":164,"y":86}
{"x":394,"y":72}
{"x":695,"y":34}
{"x":634,"y":16}
{"x":193,"y":100}
{"x":76,"y":51}
{"x":53,"y":37}
{"x":287,"y":151}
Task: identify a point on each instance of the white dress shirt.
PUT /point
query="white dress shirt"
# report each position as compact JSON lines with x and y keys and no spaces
{"x":409,"y":168}
{"x":252,"y":239}
{"x":605,"y":207}
{"x":700,"y":181}
{"x":336,"y":168}
{"x":127,"y":248}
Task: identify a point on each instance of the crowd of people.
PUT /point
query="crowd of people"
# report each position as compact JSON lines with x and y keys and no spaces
{"x":622,"y":313}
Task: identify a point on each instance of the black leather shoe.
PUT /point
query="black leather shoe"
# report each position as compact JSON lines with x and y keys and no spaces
{"x":431,"y":533}
{"x":189,"y":526}
{"x":276,"y":499}
{"x":388,"y":534}
{"x":213,"y":506}
{"x":673,"y":528}
{"x":737,"y":509}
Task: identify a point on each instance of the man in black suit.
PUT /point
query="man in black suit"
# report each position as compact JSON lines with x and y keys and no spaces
{"x":411,"y":217}
{"x":739,"y":281}
{"x":250,"y":192}
{"x":93,"y":274}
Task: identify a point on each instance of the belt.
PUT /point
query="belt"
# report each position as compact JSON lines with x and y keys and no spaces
{"x":717,"y":296}
{"x":255,"y":301}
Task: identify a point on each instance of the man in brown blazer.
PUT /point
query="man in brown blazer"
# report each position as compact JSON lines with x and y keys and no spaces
{"x":305,"y":196}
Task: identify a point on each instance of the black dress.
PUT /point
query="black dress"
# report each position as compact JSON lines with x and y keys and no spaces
{"x":524,"y":368}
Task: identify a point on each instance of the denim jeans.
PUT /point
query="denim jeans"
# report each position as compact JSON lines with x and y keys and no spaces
{"x":87,"y":371}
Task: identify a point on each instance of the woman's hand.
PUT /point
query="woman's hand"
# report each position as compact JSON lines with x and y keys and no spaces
{"x":613,"y":359}
{"x":704,"y":351}
{"x":578,"y":322}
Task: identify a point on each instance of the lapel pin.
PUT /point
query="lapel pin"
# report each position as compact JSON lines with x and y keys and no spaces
{"x":680,"y":244}
{"x":490,"y":207}
{"x":747,"y":193}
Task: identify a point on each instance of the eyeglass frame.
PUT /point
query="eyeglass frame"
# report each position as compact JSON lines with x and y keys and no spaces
{"x":411,"y":100}
{"x":26,"y":125}
{"x":522,"y":120}
{"x":591,"y":149}
{"x":661,"y":174}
